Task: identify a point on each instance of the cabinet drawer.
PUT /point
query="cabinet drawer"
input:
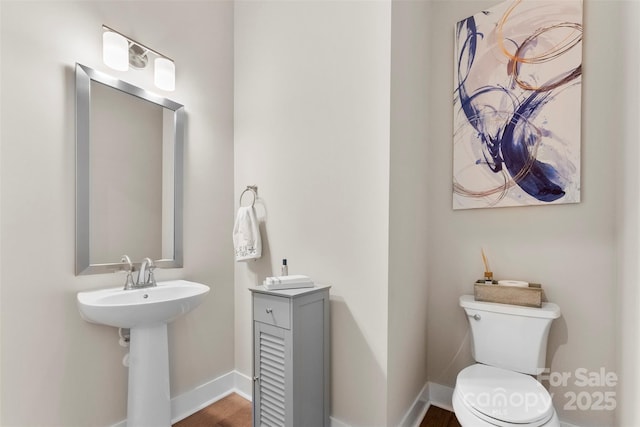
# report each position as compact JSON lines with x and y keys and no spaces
{"x":271,"y":310}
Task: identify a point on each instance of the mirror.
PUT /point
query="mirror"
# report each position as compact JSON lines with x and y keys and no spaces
{"x":129,"y":156}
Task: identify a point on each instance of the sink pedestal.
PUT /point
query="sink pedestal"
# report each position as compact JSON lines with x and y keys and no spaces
{"x":149,"y":400}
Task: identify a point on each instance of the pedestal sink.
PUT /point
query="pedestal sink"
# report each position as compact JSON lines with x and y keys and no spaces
{"x":146,"y":313}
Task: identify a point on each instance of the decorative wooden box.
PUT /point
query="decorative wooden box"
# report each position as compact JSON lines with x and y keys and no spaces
{"x":532,"y":296}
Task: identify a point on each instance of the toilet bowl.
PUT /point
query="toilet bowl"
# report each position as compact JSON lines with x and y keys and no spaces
{"x":486,"y":396}
{"x":509,"y":343}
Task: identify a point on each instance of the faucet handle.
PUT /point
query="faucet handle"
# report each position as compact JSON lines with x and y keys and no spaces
{"x":129,"y":265}
{"x":152,"y":279}
{"x":128,"y":284}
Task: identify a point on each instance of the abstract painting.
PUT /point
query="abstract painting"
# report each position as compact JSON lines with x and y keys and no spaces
{"x":517,"y":99}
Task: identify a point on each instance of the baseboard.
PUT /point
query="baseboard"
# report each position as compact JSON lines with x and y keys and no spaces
{"x":235,"y":382}
{"x":441,"y":396}
{"x":417,"y":410}
{"x":204,"y":395}
{"x":243,"y":385}
{"x":334,"y":422}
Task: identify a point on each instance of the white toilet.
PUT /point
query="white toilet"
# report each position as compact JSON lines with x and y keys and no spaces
{"x":509,"y":343}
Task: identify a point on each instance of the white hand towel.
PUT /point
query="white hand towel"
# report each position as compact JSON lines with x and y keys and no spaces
{"x":296,"y":278}
{"x":246,"y":235}
{"x":288,"y":282}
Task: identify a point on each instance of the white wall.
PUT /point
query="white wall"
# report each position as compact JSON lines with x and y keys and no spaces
{"x":628,"y":219}
{"x":312,"y":88}
{"x":56,"y":368}
{"x":570,"y":249}
{"x":408,"y":205}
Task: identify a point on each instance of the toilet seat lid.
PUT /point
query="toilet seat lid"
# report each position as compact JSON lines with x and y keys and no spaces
{"x":501,"y":396}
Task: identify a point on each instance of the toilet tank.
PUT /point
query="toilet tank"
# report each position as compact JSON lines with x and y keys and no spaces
{"x":509,"y":336}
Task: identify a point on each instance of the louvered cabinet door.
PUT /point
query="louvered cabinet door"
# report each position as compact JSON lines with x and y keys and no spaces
{"x":272,"y":380}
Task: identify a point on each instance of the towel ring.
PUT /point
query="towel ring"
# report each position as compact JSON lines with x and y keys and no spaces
{"x":253,"y":190}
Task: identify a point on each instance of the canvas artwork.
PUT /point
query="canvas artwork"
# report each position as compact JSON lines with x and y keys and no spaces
{"x":517,"y":98}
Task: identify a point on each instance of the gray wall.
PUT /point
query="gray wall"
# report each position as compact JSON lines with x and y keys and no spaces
{"x":58,"y":370}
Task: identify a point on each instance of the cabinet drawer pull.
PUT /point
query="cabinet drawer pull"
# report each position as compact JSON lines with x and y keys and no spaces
{"x":269,"y":310}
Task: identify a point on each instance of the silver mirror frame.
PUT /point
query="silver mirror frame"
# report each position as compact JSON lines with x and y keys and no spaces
{"x":84,"y":76}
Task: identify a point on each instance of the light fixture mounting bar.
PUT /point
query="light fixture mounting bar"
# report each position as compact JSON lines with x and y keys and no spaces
{"x":155,"y":52}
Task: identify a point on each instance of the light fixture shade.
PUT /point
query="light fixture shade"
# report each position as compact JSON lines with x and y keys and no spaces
{"x":115,"y":51}
{"x":165,"y":74}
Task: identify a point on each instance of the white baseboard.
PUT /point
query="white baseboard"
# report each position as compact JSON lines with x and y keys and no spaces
{"x":334,"y":422}
{"x":204,"y":395}
{"x":417,"y":410}
{"x":235,"y":382}
{"x":243,"y":385}
{"x":441,"y":396}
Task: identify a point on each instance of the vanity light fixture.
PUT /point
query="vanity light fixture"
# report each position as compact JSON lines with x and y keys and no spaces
{"x":120,"y":51}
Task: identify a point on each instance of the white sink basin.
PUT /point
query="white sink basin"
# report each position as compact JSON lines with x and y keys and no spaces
{"x":141,"y":307}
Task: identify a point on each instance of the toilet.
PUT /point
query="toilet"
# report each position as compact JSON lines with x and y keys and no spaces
{"x":509,"y":344}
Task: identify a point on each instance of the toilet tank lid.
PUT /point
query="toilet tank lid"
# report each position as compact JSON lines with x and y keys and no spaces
{"x":548,"y":310}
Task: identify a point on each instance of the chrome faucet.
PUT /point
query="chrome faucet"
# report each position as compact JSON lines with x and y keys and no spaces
{"x":129,"y":269}
{"x":145,"y":275}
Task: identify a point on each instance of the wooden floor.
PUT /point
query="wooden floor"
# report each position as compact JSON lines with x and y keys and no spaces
{"x":235,"y":411}
{"x":437,"y":417}
{"x":232,"y":411}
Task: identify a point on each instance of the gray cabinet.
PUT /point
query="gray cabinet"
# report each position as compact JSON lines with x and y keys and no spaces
{"x":291,"y":350}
